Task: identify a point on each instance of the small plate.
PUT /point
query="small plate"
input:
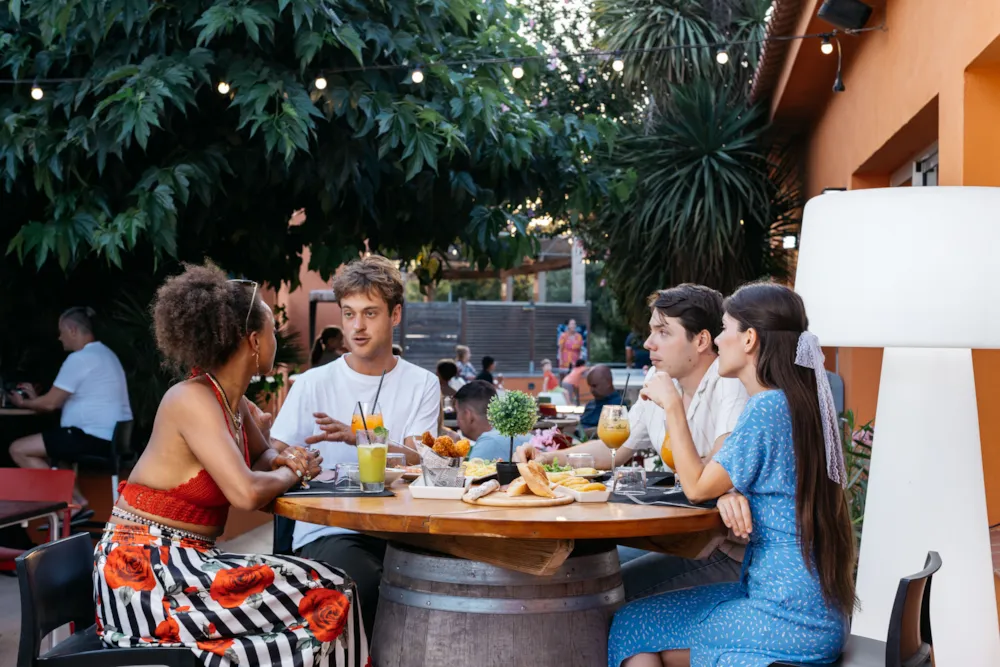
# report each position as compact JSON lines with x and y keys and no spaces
{"x":590,"y":496}
{"x":419,"y":490}
{"x":392,"y":474}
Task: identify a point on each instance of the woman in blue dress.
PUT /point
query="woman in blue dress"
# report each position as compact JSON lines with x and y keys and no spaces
{"x":797,"y":589}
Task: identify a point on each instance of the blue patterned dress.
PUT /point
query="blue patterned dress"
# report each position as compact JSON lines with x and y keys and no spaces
{"x":777,"y":611}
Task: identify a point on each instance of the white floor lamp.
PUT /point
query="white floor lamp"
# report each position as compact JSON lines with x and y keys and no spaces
{"x":916,"y":271}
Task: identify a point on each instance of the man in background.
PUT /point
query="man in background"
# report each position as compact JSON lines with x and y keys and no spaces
{"x":92,"y":393}
{"x":602,"y":388}
{"x":470,"y":406}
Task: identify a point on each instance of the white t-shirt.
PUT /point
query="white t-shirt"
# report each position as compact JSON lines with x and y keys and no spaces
{"x":98,"y":392}
{"x":713,"y":412}
{"x":410,"y":401}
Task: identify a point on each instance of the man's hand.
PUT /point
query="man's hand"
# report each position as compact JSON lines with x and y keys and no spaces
{"x":16,"y":399}
{"x":301,"y":461}
{"x":735,"y":511}
{"x":29,"y":389}
{"x":333,"y":431}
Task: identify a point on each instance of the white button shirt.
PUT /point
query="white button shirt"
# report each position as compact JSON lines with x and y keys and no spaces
{"x":713,"y":412}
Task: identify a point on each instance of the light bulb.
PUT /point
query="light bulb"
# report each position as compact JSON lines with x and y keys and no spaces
{"x":517,"y":72}
{"x":618,"y":65}
{"x":320,"y":83}
{"x":37,"y":93}
{"x":826,"y":47}
{"x":416,"y":76}
{"x":722,"y":57}
{"x":223,"y":88}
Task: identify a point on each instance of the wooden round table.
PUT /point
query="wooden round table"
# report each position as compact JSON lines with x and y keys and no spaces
{"x":16,"y":412}
{"x":540,"y":583}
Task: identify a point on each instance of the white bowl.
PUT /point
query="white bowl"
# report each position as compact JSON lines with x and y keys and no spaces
{"x":589,"y":496}
{"x":421,"y":490}
{"x":392,"y":474}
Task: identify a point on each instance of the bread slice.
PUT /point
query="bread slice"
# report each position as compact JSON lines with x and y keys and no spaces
{"x":534,"y":474}
{"x":517,"y":488}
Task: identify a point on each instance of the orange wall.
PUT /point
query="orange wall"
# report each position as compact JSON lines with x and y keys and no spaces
{"x":297,"y":304}
{"x":934,"y":75}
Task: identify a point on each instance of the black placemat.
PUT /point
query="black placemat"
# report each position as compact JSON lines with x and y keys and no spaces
{"x":664,"y":497}
{"x":328,"y":490}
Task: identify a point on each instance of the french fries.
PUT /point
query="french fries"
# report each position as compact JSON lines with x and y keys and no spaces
{"x":581,"y":484}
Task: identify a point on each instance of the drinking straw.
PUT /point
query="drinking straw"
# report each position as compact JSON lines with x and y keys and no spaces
{"x":378,"y":391}
{"x":362,"y":411}
{"x":625,"y":390}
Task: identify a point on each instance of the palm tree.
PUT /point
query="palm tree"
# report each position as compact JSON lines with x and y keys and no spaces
{"x":710,"y":191}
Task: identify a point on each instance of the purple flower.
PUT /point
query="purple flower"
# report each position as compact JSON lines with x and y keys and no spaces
{"x":553,"y":64}
{"x":604,"y":282}
{"x":581,"y":78}
{"x":544,"y":102}
{"x":531,"y":23}
{"x":504,"y":108}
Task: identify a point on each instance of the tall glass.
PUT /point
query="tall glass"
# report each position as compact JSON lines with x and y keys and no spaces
{"x":613,"y":429}
{"x":667,"y":454}
{"x":373,"y":417}
{"x":372,"y":450}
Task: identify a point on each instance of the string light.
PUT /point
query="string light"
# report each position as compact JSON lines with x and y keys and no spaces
{"x":618,"y":64}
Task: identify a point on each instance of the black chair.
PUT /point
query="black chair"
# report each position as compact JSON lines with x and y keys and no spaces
{"x":57,"y":588}
{"x":908,"y":642}
{"x":122,"y":455}
{"x":283,"y":529}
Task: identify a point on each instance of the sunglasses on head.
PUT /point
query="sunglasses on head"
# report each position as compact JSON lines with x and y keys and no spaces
{"x":253,"y":298}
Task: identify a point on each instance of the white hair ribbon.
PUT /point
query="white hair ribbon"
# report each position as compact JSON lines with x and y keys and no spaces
{"x":810,"y":355}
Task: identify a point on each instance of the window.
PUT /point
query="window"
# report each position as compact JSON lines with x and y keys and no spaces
{"x":922,"y":170}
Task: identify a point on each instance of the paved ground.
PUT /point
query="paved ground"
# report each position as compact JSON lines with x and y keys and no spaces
{"x":256,"y":541}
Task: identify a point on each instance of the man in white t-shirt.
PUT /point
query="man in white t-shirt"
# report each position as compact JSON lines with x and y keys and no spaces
{"x":684,"y":322}
{"x":90,"y":390}
{"x":321,"y":403}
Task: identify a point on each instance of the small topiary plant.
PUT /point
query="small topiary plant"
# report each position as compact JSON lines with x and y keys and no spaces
{"x":513,"y":413}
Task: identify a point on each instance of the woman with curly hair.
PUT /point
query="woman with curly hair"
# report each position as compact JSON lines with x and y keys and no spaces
{"x":159,"y":579}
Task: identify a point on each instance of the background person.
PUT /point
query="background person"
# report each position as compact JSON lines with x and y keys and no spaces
{"x":570,"y":346}
{"x":470,"y":406}
{"x":489,"y":365}
{"x":466,"y":370}
{"x":329,"y":346}
{"x":92,"y":393}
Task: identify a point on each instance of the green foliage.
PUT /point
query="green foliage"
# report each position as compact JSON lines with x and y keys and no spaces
{"x":512,"y":413}
{"x":857,"y":442}
{"x":143,"y":155}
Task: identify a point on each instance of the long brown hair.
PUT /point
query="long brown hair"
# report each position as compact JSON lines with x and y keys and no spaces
{"x":778,"y":316}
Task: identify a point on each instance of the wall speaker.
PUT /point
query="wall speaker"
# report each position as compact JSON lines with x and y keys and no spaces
{"x":845,"y":14}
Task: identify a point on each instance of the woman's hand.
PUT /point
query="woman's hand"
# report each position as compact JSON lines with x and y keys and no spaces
{"x":303,"y":462}
{"x":660,"y":389}
{"x":735,"y":511}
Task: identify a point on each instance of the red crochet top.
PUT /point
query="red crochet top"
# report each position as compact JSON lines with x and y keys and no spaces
{"x":198,"y":501}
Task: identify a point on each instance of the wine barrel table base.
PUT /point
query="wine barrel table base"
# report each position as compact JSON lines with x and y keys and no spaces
{"x":439,"y":610}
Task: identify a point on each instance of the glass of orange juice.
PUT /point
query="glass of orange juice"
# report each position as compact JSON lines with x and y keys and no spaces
{"x":372,"y":417}
{"x":667,"y":455}
{"x":613,"y":428}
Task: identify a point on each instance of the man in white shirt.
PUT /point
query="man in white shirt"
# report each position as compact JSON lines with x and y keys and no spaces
{"x":321,"y":403}
{"x":684,"y":322}
{"x":92,"y":393}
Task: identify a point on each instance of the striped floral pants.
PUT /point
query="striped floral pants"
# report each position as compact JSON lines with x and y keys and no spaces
{"x":154,"y":588}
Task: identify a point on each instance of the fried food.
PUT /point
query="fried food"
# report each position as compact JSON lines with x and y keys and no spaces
{"x":445,"y":446}
{"x":579,"y":472}
{"x":462,"y":447}
{"x":573,"y":482}
{"x":593,"y":486}
{"x":427,"y":439}
{"x":558,"y":476}
{"x":534,"y":475}
{"x":517,"y":488}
